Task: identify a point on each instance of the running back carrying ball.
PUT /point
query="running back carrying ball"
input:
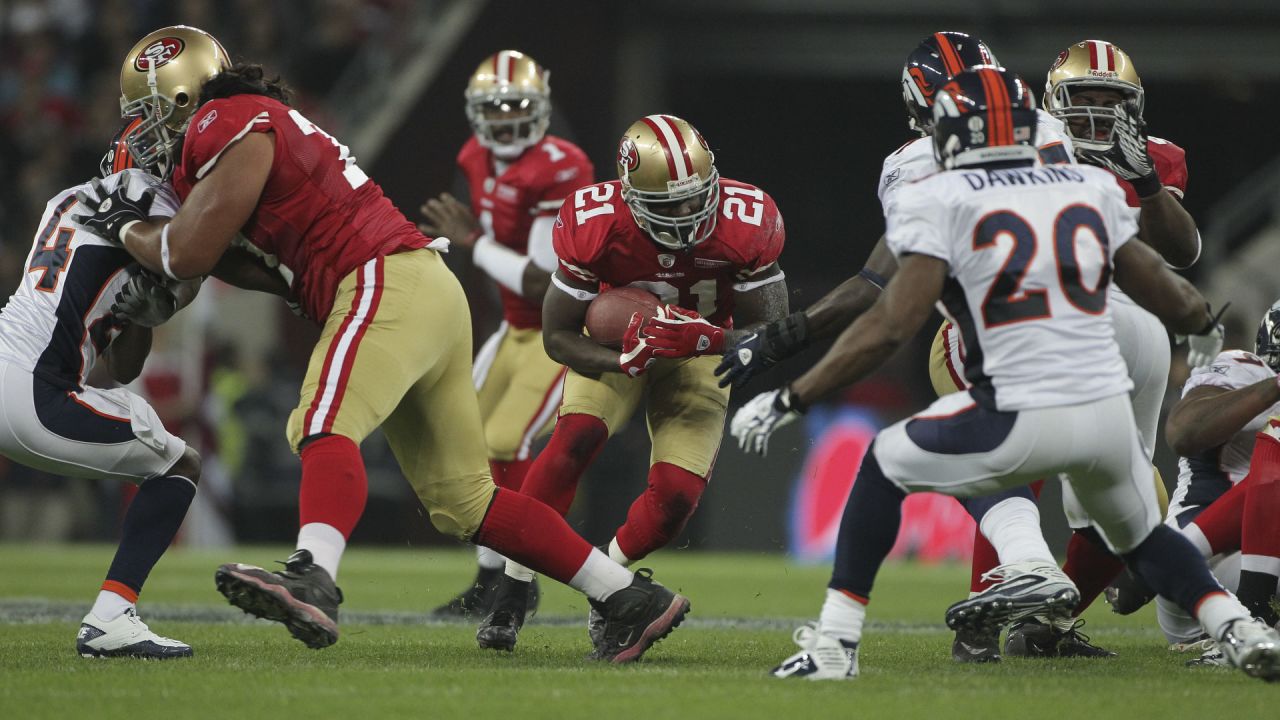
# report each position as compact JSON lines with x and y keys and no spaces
{"x":609,"y":314}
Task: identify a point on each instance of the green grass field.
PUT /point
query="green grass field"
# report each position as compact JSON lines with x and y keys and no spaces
{"x":391,"y":662}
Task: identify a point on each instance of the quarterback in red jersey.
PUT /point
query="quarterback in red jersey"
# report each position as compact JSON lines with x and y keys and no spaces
{"x":395,"y":350}
{"x":518,"y":177}
{"x":708,"y":247}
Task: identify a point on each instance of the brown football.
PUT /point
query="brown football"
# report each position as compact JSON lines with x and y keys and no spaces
{"x":609,"y":314}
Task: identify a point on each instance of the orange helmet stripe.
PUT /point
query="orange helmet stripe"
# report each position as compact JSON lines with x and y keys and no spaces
{"x":998,"y":107}
{"x":950,"y":58}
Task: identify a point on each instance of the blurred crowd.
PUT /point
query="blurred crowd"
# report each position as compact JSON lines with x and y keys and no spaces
{"x":224,"y":387}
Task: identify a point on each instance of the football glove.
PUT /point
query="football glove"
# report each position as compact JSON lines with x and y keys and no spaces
{"x":637,"y":355}
{"x":758,"y":351}
{"x":1128,"y":156}
{"x":755,"y":422}
{"x":112,"y":212}
{"x":679,"y":333}
{"x":144,"y":300}
{"x":1204,"y":346}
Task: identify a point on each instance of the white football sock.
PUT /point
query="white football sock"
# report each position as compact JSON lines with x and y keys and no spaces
{"x":516,"y":571}
{"x":326,"y":544}
{"x":842,"y":617}
{"x":109,"y":606}
{"x":489,"y":559}
{"x":1217,"y":609}
{"x":1013,"y":529}
{"x":616,"y":554}
{"x":599,"y":577}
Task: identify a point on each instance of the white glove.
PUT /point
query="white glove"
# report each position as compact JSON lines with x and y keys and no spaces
{"x":1202,"y":349}
{"x":755,"y":422}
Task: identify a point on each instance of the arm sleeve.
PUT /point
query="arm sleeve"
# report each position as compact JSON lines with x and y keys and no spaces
{"x":768,"y":245}
{"x":216,"y":127}
{"x":1231,"y":370}
{"x":1120,"y":219}
{"x":541,"y":244}
{"x":567,"y":251}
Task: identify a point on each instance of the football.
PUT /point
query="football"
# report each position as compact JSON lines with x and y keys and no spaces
{"x":609,"y":314}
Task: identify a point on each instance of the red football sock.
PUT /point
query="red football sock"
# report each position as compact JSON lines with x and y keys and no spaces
{"x":661,"y":511}
{"x":1222,"y":522}
{"x":553,"y":477}
{"x":1091,"y":567}
{"x":533,"y":535}
{"x":1260,"y":534}
{"x":334,"y":486}
{"x":984,"y":553}
{"x":510,"y":474}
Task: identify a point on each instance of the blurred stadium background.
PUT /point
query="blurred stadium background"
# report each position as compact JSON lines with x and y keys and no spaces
{"x":798,"y":96}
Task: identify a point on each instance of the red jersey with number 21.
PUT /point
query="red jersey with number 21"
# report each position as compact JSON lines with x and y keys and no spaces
{"x":598,"y":241}
{"x":319,"y":214}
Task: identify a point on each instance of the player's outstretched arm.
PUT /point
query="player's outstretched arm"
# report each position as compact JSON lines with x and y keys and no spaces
{"x":1208,"y":416}
{"x":126,"y":355}
{"x":786,"y":336}
{"x":1141,"y":273}
{"x":190,"y":245}
{"x":243,"y":269}
{"x":879,"y":332}
{"x":1167,"y":226}
{"x":564,"y":310}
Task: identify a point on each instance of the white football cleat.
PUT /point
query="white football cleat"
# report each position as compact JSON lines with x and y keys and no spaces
{"x":1022,"y":589}
{"x":126,"y":636}
{"x":821,"y":657}
{"x":1253,"y":646}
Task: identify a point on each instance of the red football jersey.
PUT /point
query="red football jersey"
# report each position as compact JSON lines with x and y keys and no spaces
{"x":507,"y":203}
{"x":1171,"y":166}
{"x":319,"y":213}
{"x":598,"y":241}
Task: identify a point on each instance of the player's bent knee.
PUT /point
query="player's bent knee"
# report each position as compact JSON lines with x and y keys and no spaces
{"x":188,"y":466}
{"x":457,"y":506}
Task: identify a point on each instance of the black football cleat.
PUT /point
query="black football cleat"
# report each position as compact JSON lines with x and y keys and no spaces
{"x":1032,"y":637}
{"x":477,"y":600}
{"x":973,"y":646}
{"x":302,"y":596}
{"x":636,"y":617}
{"x":501,"y":627}
{"x":1128,"y":594}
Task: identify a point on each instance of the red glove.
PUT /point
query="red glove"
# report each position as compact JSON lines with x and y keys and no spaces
{"x":637,"y":355}
{"x":678,"y":333}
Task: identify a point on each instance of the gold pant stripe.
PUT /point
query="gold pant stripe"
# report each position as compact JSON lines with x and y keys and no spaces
{"x":518,"y":388}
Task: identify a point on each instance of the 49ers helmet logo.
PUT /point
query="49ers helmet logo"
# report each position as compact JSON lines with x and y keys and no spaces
{"x":1062,"y":58}
{"x":158,"y":53}
{"x":628,"y":154}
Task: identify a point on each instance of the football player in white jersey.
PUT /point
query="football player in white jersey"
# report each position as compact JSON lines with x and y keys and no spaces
{"x":969,"y":238}
{"x":1225,"y":429}
{"x":1011,"y":518}
{"x":83,"y":298}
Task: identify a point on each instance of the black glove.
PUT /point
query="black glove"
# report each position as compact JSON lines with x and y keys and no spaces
{"x":776,"y":341}
{"x":1128,"y":156}
{"x":112,"y":211}
{"x":144,"y":301}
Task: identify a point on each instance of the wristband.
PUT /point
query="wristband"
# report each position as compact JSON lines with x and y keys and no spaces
{"x":1147,"y":186}
{"x":164,"y":253}
{"x":1213,"y":319}
{"x":788,"y":402}
{"x":873,"y":277}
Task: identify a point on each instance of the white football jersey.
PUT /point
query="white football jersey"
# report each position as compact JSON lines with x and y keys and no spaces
{"x":59,"y":320}
{"x":1205,"y":476}
{"x":915,"y":159}
{"x":1030,"y":252}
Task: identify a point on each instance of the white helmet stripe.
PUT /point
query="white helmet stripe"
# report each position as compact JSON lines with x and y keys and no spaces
{"x":504,"y":63}
{"x":670,"y":138}
{"x":1100,"y":51}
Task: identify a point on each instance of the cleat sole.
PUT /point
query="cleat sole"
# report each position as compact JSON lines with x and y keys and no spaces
{"x":992,"y":614}
{"x":656,"y":630}
{"x":269,"y":601}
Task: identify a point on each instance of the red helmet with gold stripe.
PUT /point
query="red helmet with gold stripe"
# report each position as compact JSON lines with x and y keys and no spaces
{"x":669,"y":180}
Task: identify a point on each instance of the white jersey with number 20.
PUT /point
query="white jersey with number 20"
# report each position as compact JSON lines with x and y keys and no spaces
{"x":1030,"y":252}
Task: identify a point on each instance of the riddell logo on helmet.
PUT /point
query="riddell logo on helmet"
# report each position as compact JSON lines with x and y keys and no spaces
{"x":158,"y":53}
{"x":628,"y":154}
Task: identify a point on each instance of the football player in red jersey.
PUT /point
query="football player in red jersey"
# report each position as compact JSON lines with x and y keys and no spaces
{"x":708,"y":248}
{"x":395,"y":351}
{"x":518,"y":177}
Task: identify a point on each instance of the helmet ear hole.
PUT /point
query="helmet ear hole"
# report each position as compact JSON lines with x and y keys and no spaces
{"x":181,"y":99}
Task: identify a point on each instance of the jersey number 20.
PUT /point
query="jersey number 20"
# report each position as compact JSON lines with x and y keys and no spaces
{"x":1006,"y":301}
